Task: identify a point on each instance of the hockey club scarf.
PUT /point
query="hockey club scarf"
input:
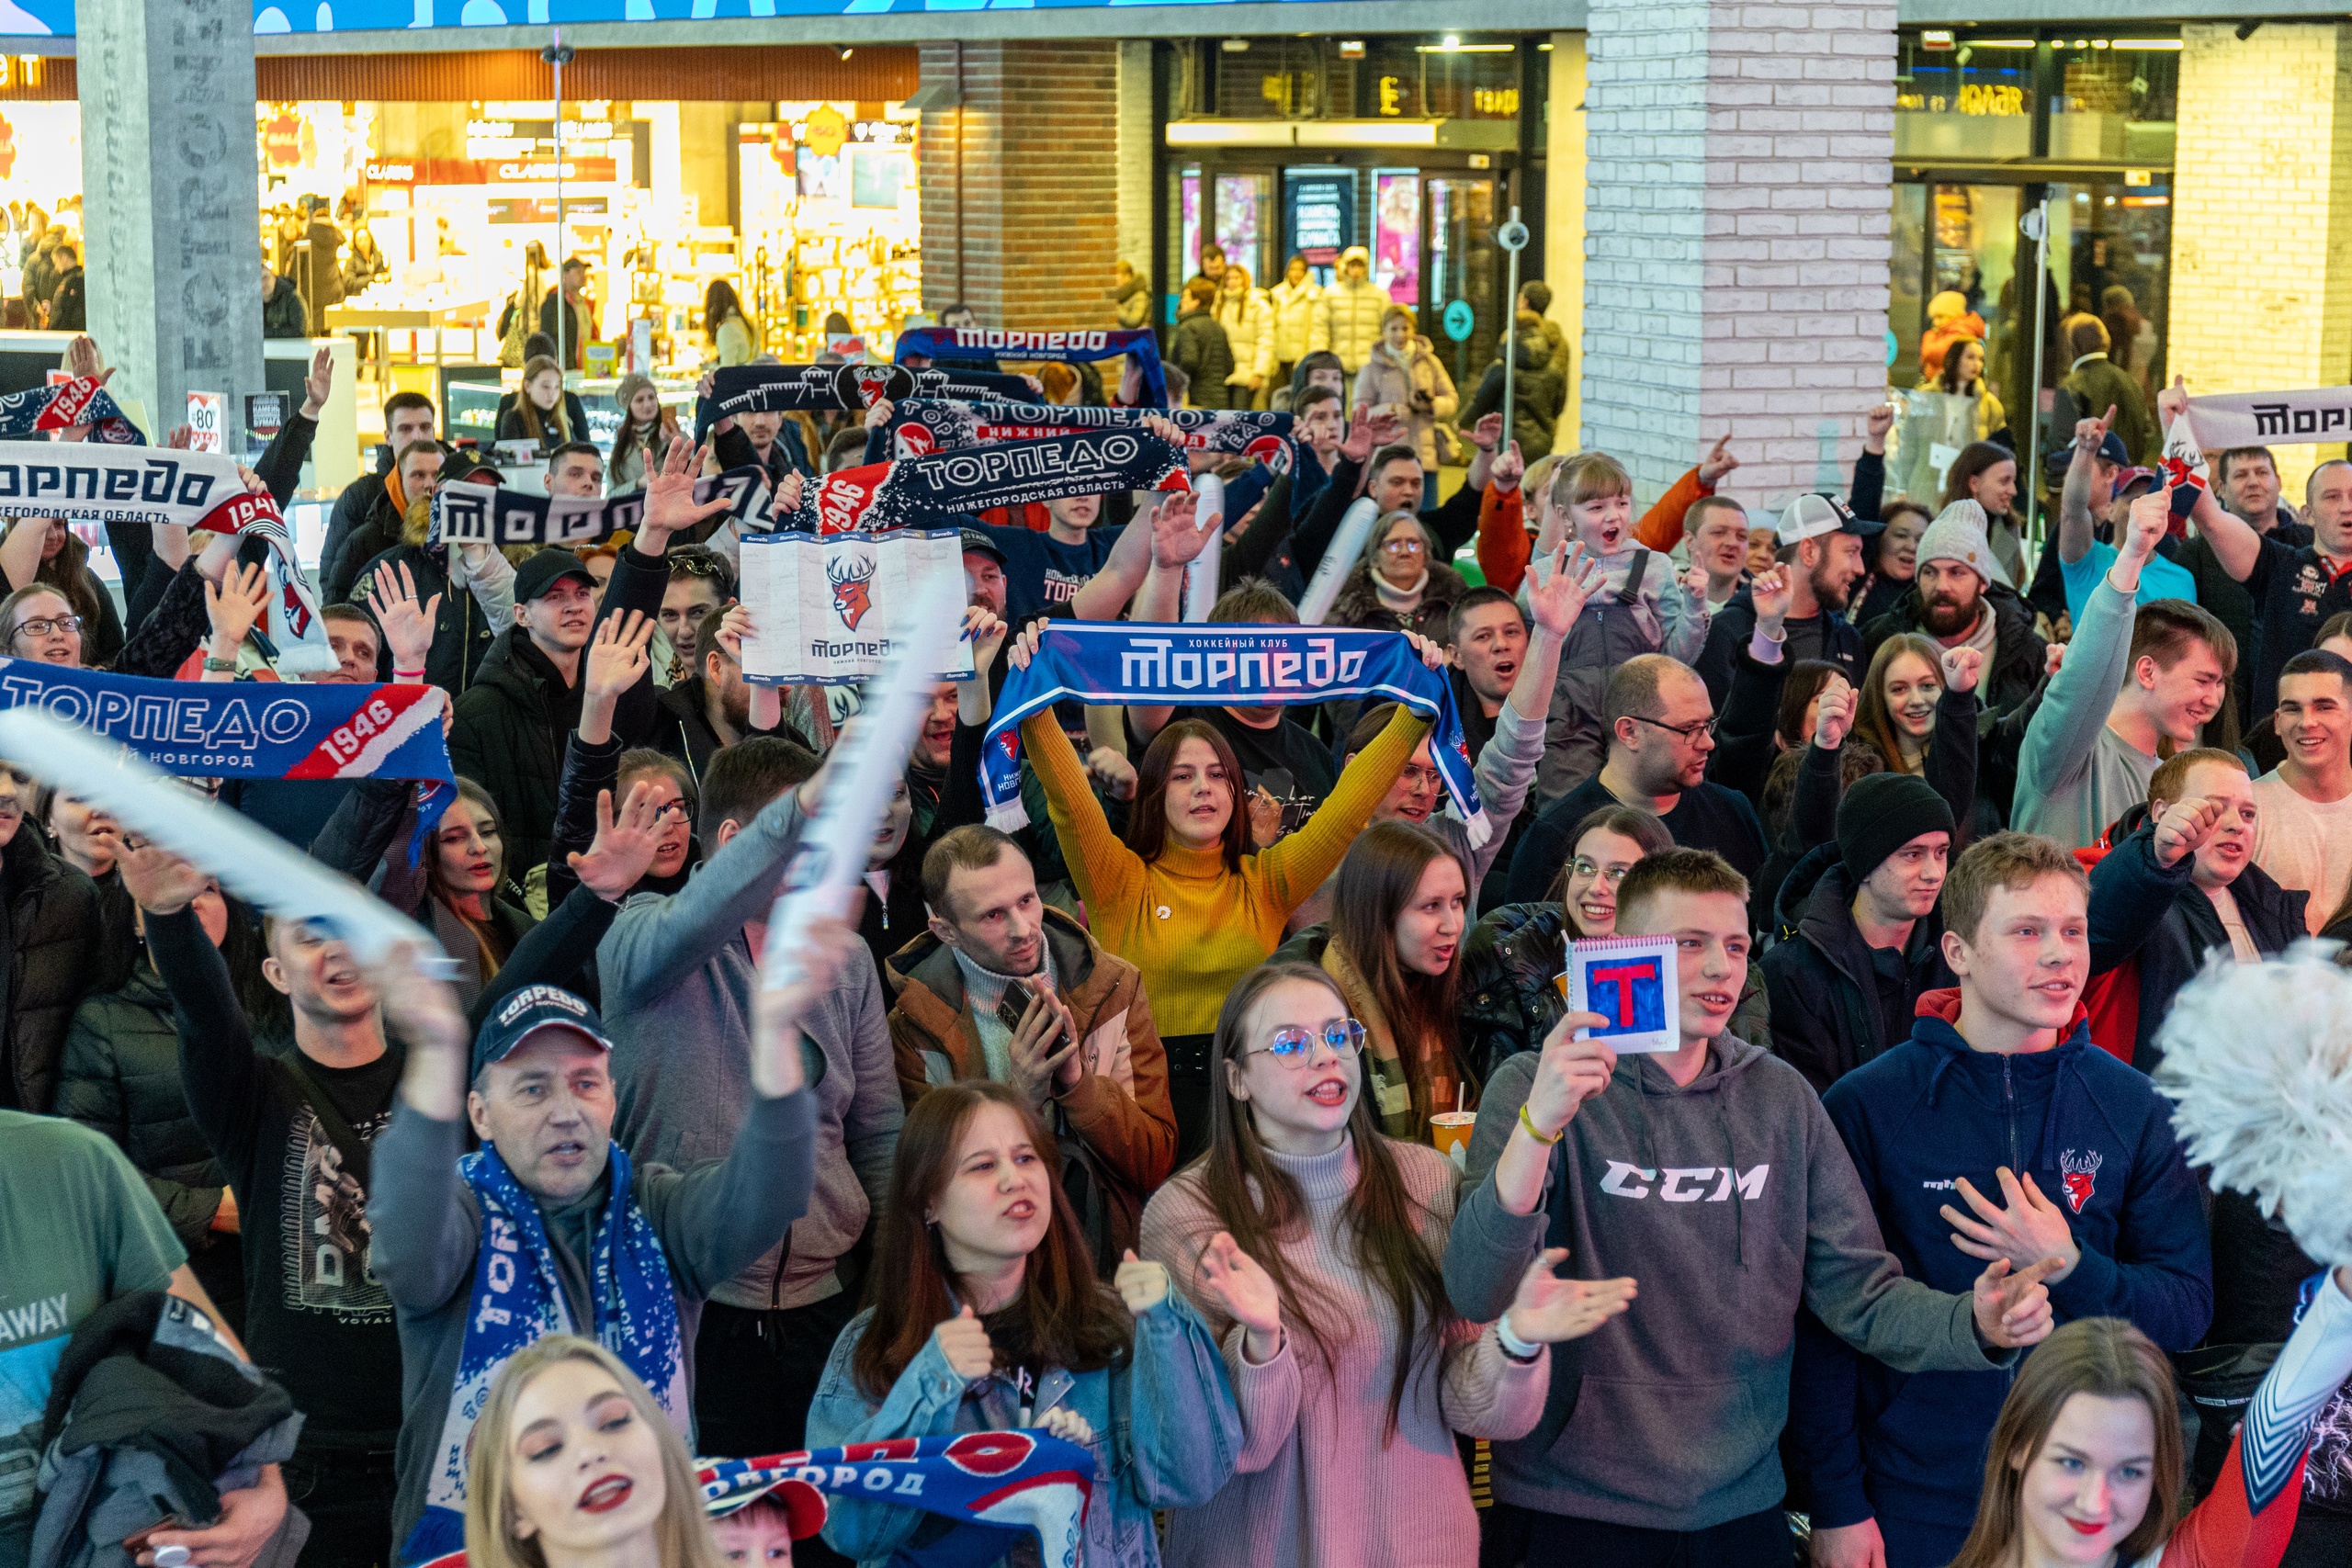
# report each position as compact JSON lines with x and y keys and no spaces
{"x":254,"y":730}
{"x":738,"y":390}
{"x":470,"y":514}
{"x":517,"y":1300}
{"x":949,"y":345}
{"x":37,"y":409}
{"x":880,"y":496}
{"x":994,"y":1488}
{"x":142,"y":486}
{"x":1248,"y":666}
{"x":922,"y":425}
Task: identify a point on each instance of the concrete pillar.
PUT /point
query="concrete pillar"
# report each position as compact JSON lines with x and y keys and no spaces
{"x":1564,"y":197}
{"x":1016,"y":229}
{"x":170,"y":205}
{"x":1738,"y":190}
{"x":2262,"y":214}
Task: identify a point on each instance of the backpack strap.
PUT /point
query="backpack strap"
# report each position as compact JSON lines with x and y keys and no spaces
{"x":1631,"y":594}
{"x":348,"y":1142}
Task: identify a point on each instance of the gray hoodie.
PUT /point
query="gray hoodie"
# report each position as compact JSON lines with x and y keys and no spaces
{"x":2075,"y":776}
{"x":677,"y":977}
{"x":1668,"y":1417}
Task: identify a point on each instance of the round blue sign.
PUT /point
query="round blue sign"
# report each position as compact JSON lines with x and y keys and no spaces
{"x":1459,"y":319}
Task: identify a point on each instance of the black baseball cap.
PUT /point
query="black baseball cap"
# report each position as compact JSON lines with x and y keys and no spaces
{"x":470,"y":467}
{"x":974,"y":539}
{"x":528,"y":1011}
{"x":545,"y":570}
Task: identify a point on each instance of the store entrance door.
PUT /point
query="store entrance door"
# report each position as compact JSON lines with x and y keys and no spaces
{"x":1466,"y":266}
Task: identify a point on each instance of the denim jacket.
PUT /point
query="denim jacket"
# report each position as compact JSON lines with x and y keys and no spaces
{"x":1167,"y":1432}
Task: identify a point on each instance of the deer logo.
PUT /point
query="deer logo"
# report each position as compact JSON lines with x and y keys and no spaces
{"x":2079,"y":1174}
{"x":852,"y":576}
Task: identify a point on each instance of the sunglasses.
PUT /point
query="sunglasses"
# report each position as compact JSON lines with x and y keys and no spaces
{"x":1294,"y":1043}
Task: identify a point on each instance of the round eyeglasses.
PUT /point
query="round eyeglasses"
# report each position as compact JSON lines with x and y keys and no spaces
{"x":1294,"y":1043}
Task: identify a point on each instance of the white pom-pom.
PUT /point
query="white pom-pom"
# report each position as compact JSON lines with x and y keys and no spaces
{"x":2259,"y":1063}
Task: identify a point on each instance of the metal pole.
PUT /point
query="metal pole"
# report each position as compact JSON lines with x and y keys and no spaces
{"x":1512,"y":236}
{"x":557,"y":55}
{"x":2036,"y":227}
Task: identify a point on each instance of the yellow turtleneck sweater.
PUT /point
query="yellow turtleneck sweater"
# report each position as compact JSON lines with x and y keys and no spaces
{"x":1192,"y":926}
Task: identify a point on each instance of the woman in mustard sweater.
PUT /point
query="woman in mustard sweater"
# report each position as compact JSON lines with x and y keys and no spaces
{"x":1183,"y":898}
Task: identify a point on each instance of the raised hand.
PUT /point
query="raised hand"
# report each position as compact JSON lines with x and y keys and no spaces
{"x":1236,"y":1282}
{"x":157,"y":880}
{"x":1112,"y":771}
{"x":1023,"y":647}
{"x":1769,"y":593}
{"x":1833,"y":719}
{"x":2151,"y":517}
{"x":776,"y":1011}
{"x":987,"y":633}
{"x":1963,"y":667}
{"x":2185,"y":827}
{"x":734,"y":628}
{"x":1569,"y":1072}
{"x":1265,"y":817}
{"x":1560,"y":598}
{"x":2031,"y":1229}
{"x":623,"y":849}
{"x":1432,"y":653}
{"x":235,"y":606}
{"x":965,"y":1344}
{"x":1141,"y":1285}
{"x":1718,"y":462}
{"x":2013,"y":1309}
{"x":877,"y":413}
{"x":1694,"y":584}
{"x":1486,"y":432}
{"x":2054,"y":655}
{"x":181,"y":438}
{"x":1177,"y":539}
{"x":1548,"y":1309}
{"x":82,"y":360}
{"x":617,"y":655}
{"x":1875,"y":424}
{"x":670,"y":503}
{"x":1507,"y":468}
{"x":2089,"y":433}
{"x":407,"y":625}
{"x":2173,"y":401}
{"x":318,"y":383}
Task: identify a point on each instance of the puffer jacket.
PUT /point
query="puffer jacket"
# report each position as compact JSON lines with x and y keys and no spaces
{"x":1199,"y":347}
{"x":1300,"y":328}
{"x":1417,"y":383}
{"x":52,"y":930}
{"x":1351,"y":313}
{"x":1824,"y":981}
{"x":1248,"y":323}
{"x":121,"y":1076}
{"x":1511,"y":997}
{"x":1539,"y":392}
{"x":1359,"y":603}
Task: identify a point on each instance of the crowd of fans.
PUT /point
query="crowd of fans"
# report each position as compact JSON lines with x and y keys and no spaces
{"x":1120,"y":1126}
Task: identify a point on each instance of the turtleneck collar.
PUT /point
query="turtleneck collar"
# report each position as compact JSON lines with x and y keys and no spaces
{"x":1181,"y":860}
{"x":1322,"y":1178}
{"x":1406,"y":598}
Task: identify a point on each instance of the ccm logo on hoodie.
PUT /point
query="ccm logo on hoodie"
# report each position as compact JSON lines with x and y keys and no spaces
{"x":1684,"y":1183}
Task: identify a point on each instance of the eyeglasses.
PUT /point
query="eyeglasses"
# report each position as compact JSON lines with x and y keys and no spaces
{"x":1593,"y":871}
{"x":1415,"y":777}
{"x":43,"y":625}
{"x":1689,"y":732}
{"x":1404,"y":547}
{"x":676,"y":809}
{"x":1294,"y":1043}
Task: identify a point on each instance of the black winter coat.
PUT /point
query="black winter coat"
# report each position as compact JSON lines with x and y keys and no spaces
{"x":52,"y":930}
{"x":2159,"y":916}
{"x":1510,"y":963}
{"x":1199,"y":347}
{"x":2015,"y":668}
{"x":462,"y":634}
{"x":506,"y":739}
{"x":1823,"y":982}
{"x":1728,"y":634}
{"x":1539,"y":392}
{"x":121,"y":1076}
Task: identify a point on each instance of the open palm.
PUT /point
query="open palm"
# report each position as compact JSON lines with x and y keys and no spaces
{"x":1549,"y":1309}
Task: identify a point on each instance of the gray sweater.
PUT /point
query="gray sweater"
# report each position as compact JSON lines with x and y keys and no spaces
{"x":427,"y":1234}
{"x":678,"y":975}
{"x":1669,"y":1416}
{"x":2075,"y":776}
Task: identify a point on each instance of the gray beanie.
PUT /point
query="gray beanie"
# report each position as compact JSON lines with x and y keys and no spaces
{"x":1960,"y":534}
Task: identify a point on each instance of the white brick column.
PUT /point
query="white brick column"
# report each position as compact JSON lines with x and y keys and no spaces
{"x":1739,"y":181}
{"x":2262,"y":214}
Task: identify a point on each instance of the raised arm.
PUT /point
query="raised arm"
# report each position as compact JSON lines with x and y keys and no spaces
{"x":2235,"y":543}
{"x":1297,"y":864}
{"x":218,"y":1066}
{"x":2075,"y":499}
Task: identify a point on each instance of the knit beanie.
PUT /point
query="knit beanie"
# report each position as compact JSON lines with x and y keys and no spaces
{"x":1960,"y":533}
{"x":1882,"y":812}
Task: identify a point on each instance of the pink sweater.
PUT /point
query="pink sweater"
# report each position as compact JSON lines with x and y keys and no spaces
{"x":1317,"y":1485}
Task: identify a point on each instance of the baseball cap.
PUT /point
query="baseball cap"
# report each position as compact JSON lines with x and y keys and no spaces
{"x":730,"y":1485}
{"x":2110,"y":450}
{"x":525,"y":1013}
{"x":976,"y":540}
{"x":470,"y":467}
{"x":2127,"y":477}
{"x":545,"y":570}
{"x":1817,"y":513}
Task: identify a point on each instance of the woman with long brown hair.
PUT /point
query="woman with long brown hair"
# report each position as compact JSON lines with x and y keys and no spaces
{"x":1917,"y":708}
{"x":572,"y":1464}
{"x":1182,"y":897}
{"x":1313,"y":1244}
{"x":543,"y":412}
{"x":985,"y":1315}
{"x":2086,"y":1461}
{"x":734,"y":337}
{"x":1986,"y":473}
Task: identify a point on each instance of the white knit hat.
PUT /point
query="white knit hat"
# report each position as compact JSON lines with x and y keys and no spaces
{"x":1959,"y":533}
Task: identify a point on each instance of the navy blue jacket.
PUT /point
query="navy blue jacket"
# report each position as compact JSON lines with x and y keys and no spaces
{"x":2097,"y":1139}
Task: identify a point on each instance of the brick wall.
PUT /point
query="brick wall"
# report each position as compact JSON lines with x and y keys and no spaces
{"x":1737,"y":197}
{"x":2261,"y":213}
{"x":1040,"y":182}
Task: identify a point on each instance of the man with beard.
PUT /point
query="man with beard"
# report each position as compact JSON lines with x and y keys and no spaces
{"x":2295,"y":589}
{"x":2131,"y":684}
{"x":1822,"y":544}
{"x":1955,"y":601}
{"x":1003,"y":986}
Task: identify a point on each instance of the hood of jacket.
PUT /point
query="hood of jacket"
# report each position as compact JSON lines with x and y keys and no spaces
{"x":1533,"y":351}
{"x":1986,"y":1075}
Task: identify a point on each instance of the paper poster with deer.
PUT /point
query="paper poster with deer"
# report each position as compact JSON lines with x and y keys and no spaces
{"x":827,"y":609}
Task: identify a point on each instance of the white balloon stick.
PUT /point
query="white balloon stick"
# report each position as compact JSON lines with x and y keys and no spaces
{"x":1201,"y":577}
{"x":1346,"y":544}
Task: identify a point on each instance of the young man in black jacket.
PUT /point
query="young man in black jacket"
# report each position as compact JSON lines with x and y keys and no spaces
{"x":1862,"y":930}
{"x":2180,"y":881}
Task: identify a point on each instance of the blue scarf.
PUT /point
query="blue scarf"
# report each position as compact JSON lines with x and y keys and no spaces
{"x":518,"y":1299}
{"x":949,"y":345}
{"x":996,"y":1488}
{"x":738,"y":389}
{"x":37,"y":409}
{"x":255,"y":729}
{"x":1203,"y":665}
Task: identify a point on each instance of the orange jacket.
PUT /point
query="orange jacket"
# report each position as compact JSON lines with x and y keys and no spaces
{"x":1505,"y":545}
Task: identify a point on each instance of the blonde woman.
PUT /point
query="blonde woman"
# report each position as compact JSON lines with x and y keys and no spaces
{"x":1248,"y":318}
{"x":574,"y":1465}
